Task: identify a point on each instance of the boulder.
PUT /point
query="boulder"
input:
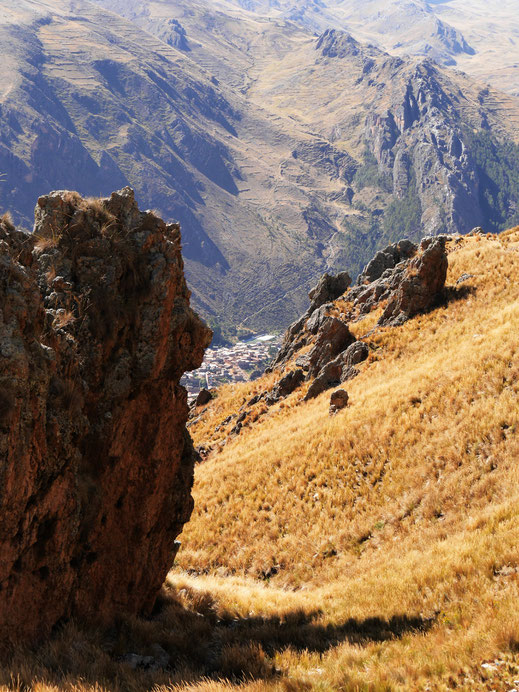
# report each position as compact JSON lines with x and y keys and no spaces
{"x":355,"y":354}
{"x":96,"y":465}
{"x":386,"y":259}
{"x":338,"y":370}
{"x":338,"y":401}
{"x":288,"y":384}
{"x":317,"y":318}
{"x":328,"y":289}
{"x":333,"y":337}
{"x":318,"y":386}
{"x":203,"y":398}
{"x":420,"y":283}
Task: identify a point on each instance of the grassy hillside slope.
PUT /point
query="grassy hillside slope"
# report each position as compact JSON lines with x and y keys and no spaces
{"x":372,"y":550}
{"x":405,"y":503}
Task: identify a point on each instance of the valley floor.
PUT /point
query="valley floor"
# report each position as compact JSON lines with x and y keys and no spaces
{"x":372,"y":550}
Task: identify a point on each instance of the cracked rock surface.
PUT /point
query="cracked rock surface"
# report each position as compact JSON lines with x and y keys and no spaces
{"x":96,"y":465}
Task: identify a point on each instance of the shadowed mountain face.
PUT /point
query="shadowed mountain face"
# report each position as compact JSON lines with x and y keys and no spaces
{"x":282,"y":154}
{"x":90,"y":101}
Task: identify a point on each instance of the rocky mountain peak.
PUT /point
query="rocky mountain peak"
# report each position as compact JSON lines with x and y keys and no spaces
{"x":336,"y":43}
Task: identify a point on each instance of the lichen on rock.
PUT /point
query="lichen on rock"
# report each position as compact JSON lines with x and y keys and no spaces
{"x":96,"y":465}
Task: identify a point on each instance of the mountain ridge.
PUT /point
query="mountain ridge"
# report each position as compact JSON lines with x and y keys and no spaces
{"x":277,"y":162}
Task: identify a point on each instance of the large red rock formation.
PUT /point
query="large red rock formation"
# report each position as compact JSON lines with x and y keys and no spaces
{"x":96,"y":465}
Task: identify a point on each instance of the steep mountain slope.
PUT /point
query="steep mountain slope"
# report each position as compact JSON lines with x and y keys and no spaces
{"x":426,"y":140}
{"x":403,"y":26}
{"x":282,"y":155}
{"x":404,"y":503}
{"x":420,"y":131}
{"x":91,"y":102}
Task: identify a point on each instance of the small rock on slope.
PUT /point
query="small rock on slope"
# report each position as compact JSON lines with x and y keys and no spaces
{"x":338,"y":401}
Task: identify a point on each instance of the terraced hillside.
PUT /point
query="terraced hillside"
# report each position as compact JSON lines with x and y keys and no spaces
{"x":393,"y":146}
{"x":90,"y":101}
{"x":283,"y":154}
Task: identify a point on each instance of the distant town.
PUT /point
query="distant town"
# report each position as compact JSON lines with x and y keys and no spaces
{"x":242,"y":362}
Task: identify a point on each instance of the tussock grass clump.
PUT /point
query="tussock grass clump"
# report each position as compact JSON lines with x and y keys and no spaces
{"x":6,"y":221}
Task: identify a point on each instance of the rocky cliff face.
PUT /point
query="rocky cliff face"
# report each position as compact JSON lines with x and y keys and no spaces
{"x":403,"y":280}
{"x":415,"y":131}
{"x":95,"y":462}
{"x":419,"y":142}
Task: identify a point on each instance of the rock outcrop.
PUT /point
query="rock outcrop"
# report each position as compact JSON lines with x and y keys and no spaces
{"x":287,"y":384}
{"x":339,"y":370}
{"x":410,"y":286}
{"x":203,"y":398}
{"x":403,"y":279}
{"x":96,"y":465}
{"x":328,"y":289}
{"x":321,"y":296}
{"x":338,"y":401}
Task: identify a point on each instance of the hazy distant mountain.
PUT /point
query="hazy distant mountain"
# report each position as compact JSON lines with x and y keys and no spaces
{"x":492,"y":30}
{"x":478,"y":36}
{"x":282,"y":153}
{"x":410,"y":26}
{"x":92,"y":102}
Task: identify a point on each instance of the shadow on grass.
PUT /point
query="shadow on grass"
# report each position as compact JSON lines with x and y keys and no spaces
{"x":188,"y":639}
{"x":303,"y":631}
{"x":452,"y":294}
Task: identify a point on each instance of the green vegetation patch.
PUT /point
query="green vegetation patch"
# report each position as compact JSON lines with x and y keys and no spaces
{"x":403,"y":217}
{"x":369,"y":175}
{"x":497,"y":164}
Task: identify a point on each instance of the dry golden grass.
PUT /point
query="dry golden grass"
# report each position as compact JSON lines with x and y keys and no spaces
{"x":6,"y":220}
{"x":405,"y":503}
{"x":46,"y":242}
{"x":373,"y":550}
